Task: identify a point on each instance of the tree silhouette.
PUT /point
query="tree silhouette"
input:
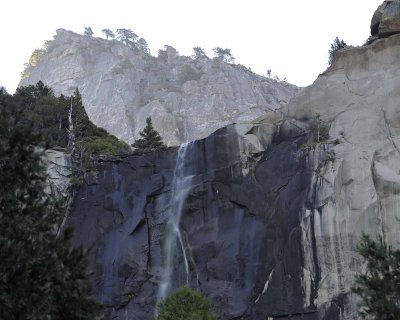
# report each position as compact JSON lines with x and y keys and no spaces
{"x":141,"y":44}
{"x":224,"y":55}
{"x":198,"y":52}
{"x":88,"y":31}
{"x":150,"y":141}
{"x":335,"y":46}
{"x":127,"y":36}
{"x":108,"y":33}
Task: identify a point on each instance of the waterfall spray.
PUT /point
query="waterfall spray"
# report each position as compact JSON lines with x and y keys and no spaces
{"x":181,"y":186}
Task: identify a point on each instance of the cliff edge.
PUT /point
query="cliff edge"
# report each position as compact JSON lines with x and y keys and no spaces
{"x":187,"y":98}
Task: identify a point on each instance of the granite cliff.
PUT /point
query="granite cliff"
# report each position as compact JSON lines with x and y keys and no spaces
{"x":272,"y":209}
{"x":187,"y":98}
{"x":262,"y":216}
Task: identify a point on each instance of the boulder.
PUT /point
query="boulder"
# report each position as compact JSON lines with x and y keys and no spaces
{"x":386,"y":19}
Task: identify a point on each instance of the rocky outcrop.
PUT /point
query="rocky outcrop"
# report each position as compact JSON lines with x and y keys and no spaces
{"x":59,"y":183}
{"x":386,"y":19}
{"x":59,"y":172}
{"x":187,"y":98}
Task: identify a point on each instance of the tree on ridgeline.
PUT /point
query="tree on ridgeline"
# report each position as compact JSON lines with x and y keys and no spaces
{"x":141,"y":44}
{"x":150,"y":141}
{"x":88,"y":31}
{"x":41,"y":275}
{"x":127,"y":36}
{"x":224,"y":55}
{"x":335,"y":47}
{"x":108,"y":33}
{"x":198,"y":52}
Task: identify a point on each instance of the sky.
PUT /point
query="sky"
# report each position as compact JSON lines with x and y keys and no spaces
{"x":291,"y":38}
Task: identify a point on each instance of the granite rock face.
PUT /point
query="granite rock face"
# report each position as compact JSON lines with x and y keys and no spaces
{"x":242,"y":225}
{"x":59,"y":171}
{"x":274,"y":209}
{"x":187,"y":98}
{"x":357,"y":99}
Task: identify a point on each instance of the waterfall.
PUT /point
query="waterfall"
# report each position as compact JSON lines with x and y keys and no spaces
{"x":180,"y":188}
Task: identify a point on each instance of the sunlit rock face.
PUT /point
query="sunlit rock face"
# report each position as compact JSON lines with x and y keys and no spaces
{"x":59,"y":172}
{"x":272,"y":217}
{"x":357,"y":97}
{"x":187,"y":98}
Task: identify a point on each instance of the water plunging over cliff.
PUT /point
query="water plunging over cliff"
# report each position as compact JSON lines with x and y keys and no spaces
{"x":181,"y":185}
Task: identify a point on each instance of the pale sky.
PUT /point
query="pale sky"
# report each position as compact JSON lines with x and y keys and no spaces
{"x":290,"y":37}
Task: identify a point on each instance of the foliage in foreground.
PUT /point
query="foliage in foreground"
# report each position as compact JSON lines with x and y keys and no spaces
{"x":186,"y":304}
{"x":50,"y":117}
{"x":379,"y":285}
{"x":41,"y":277}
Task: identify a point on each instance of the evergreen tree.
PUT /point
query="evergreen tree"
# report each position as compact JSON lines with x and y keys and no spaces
{"x":45,"y":111}
{"x":186,"y":304}
{"x":379,"y":285}
{"x":108,"y":33}
{"x":335,"y":46}
{"x":141,"y":44}
{"x":151,"y":139}
{"x":41,"y":276}
{"x":127,"y":36}
{"x":27,"y":96}
{"x":50,"y":116}
{"x":198,"y":52}
{"x":224,"y":55}
{"x":88,"y":31}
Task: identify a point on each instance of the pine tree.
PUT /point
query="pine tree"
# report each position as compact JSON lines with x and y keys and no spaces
{"x":88,"y":32}
{"x":55,"y":117}
{"x":198,"y":52}
{"x":142,"y":45}
{"x":41,"y":277}
{"x":151,"y":139}
{"x":379,"y":285}
{"x":224,"y":55}
{"x":127,"y":36}
{"x":108,"y":33}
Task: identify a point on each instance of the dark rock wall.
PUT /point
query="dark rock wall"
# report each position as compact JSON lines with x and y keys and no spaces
{"x":247,"y":227}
